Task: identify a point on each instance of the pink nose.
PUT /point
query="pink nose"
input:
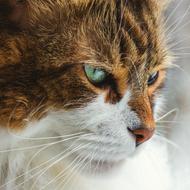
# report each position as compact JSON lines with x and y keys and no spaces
{"x":142,"y":134}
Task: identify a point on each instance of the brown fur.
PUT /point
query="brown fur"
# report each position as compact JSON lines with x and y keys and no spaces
{"x":45,"y":43}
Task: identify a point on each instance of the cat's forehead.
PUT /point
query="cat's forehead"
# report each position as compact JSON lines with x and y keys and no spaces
{"x":109,"y":33}
{"x":125,"y":32}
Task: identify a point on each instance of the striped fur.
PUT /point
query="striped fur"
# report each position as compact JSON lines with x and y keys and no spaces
{"x":125,"y":38}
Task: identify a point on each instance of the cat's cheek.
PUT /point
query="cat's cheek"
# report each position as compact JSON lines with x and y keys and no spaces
{"x":158,"y":105}
{"x":106,"y":123}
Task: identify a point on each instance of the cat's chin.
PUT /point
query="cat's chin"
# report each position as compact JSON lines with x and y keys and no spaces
{"x":103,"y":167}
{"x":100,"y":167}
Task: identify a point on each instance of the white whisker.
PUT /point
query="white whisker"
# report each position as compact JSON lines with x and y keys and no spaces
{"x":44,"y":163}
{"x":159,"y":136}
{"x":173,"y":12}
{"x":77,"y":168}
{"x":170,"y":122}
{"x":62,"y":173}
{"x":44,"y":148}
{"x":162,"y":131}
{"x":46,"y":138}
{"x":36,"y":146}
{"x":57,"y":177}
{"x":178,"y":22}
{"x":168,"y":114}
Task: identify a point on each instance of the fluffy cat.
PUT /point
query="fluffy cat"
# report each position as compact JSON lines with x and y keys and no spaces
{"x":81,"y":85}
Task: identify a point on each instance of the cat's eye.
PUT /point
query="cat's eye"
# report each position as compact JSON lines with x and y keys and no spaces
{"x":95,"y":75}
{"x":153,"y":78}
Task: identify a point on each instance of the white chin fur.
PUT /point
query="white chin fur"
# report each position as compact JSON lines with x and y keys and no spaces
{"x":148,"y":169}
{"x":104,"y":136}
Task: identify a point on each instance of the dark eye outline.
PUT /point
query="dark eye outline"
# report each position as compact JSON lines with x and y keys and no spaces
{"x":153,"y":78}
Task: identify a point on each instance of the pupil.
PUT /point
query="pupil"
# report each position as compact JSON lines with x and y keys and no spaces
{"x":153,"y":78}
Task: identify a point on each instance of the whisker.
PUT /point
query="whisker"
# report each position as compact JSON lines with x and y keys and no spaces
{"x":80,"y":169}
{"x":36,"y":146}
{"x":181,"y":27}
{"x":161,"y":131}
{"x":11,"y":115}
{"x":167,"y":114}
{"x":171,"y":122}
{"x":61,"y":174}
{"x":173,"y":12}
{"x":57,"y":161}
{"x":39,"y":172}
{"x":160,"y":137}
{"x":35,"y":167}
{"x":182,"y":70}
{"x":74,"y":168}
{"x":69,"y":177}
{"x":178,"y":22}
{"x":182,"y":53}
{"x":44,"y":148}
{"x":177,"y":44}
{"x":181,"y":49}
{"x":46,"y":138}
{"x":38,"y":107}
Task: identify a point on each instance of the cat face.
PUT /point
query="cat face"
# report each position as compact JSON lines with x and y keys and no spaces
{"x":94,"y":68}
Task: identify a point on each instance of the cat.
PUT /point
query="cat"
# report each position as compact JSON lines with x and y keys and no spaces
{"x":81,"y":90}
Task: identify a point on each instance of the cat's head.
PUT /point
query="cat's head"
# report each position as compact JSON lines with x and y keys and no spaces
{"x":93,"y":68}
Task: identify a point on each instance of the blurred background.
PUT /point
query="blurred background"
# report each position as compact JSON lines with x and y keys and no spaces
{"x":177,"y":123}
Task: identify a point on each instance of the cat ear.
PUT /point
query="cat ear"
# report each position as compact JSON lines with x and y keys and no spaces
{"x":13,"y":12}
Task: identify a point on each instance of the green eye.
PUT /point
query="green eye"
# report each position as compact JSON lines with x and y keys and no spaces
{"x":95,"y":75}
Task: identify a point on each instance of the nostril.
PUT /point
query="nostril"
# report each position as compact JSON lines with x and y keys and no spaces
{"x":142,"y":134}
{"x":139,"y":138}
